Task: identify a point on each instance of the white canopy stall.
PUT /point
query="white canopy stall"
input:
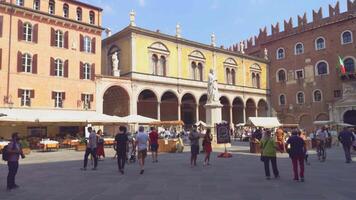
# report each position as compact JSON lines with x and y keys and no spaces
{"x":265,"y":122}
{"x":138,"y":119}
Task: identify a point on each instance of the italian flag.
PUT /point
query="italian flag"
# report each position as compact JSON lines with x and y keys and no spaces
{"x":342,"y":66}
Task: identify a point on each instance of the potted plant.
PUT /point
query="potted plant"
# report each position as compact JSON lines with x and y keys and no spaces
{"x":25,"y":145}
{"x":82,"y":145}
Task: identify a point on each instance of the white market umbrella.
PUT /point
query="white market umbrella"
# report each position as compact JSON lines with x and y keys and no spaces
{"x":138,"y":119}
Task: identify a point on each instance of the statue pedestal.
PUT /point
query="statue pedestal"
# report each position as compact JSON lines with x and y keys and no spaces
{"x":213,"y":116}
{"x":116,"y":73}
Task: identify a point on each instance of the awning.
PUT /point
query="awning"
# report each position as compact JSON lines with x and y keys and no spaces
{"x":265,"y":122}
{"x":138,"y":119}
{"x":56,"y":116}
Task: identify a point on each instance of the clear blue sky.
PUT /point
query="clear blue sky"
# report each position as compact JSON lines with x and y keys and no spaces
{"x":230,"y":20}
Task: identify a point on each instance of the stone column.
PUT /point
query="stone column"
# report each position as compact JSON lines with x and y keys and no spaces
{"x":179,"y":112}
{"x":197,"y":112}
{"x":256,"y":112}
{"x":231,"y":121}
{"x":159,"y":111}
{"x":244,"y":114}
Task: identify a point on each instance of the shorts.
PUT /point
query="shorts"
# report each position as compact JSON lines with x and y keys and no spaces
{"x":194,"y":149}
{"x":142,"y":154}
{"x":154,"y":147}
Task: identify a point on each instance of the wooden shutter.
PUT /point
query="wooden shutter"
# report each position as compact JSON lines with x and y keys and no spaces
{"x":91,"y":98}
{"x":63,"y":95}
{"x":93,"y":41}
{"x":19,"y":93}
{"x":53,"y":37}
{"x":34,"y":64}
{"x":1,"y":22}
{"x":19,"y":61}
{"x":53,"y":95}
{"x":92,"y":75}
{"x":82,"y":97}
{"x":66,"y":40}
{"x":19,"y":30}
{"x":35,"y":33}
{"x":81,"y":70}
{"x":66,"y":68}
{"x":32,"y":94}
{"x":0,"y":58}
{"x":81,"y":39}
{"x":52,"y":67}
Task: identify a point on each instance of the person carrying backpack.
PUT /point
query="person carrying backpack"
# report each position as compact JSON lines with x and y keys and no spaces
{"x":12,"y":154}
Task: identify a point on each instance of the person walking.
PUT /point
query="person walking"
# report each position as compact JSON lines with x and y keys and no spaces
{"x":346,"y":138}
{"x":121,"y":140}
{"x":100,"y":147}
{"x":296,"y":153}
{"x":321,"y":138}
{"x":91,"y":149}
{"x":14,"y":151}
{"x":141,"y":143}
{"x":153,"y":135}
{"x":207,"y":146}
{"x":269,"y":154}
{"x":194,"y":146}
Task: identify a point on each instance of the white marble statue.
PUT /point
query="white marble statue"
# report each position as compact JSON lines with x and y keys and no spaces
{"x":213,"y":93}
{"x":115,"y":61}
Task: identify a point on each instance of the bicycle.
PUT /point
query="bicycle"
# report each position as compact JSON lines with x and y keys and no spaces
{"x":321,"y":152}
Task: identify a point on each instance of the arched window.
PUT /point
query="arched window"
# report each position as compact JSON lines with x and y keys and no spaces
{"x":227,"y":76}
{"x":162,"y":66}
{"x":79,"y":14}
{"x":20,"y":2}
{"x":91,"y":17}
{"x":36,"y":4}
{"x":233,"y":77}
{"x":300,"y":98}
{"x":194,"y":70}
{"x":87,"y":44}
{"x":65,"y":10}
{"x":254,"y":83}
{"x":59,"y":39}
{"x":27,"y":32}
{"x":282,"y":99}
{"x":51,"y":7}
{"x":58,"y":67}
{"x":200,"y":71}
{"x":346,"y":37}
{"x":320,"y":43}
{"x":281,"y":75}
{"x":317,"y":96}
{"x":258,"y":81}
{"x":322,"y":68}
{"x":299,"y":49}
{"x":87,"y":71}
{"x":349,"y":65}
{"x":280,"y":53}
{"x":155,"y":64}
{"x":26,"y":63}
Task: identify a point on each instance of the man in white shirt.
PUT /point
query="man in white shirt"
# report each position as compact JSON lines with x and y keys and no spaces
{"x":91,"y":149}
{"x":141,"y":143}
{"x":321,"y":136}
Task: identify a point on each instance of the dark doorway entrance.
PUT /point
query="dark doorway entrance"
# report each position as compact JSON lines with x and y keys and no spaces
{"x":350,"y":117}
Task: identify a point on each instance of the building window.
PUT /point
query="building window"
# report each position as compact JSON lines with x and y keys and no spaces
{"x":59,"y":39}
{"x":299,"y":74}
{"x":320,"y":43}
{"x":322,"y":68}
{"x":317,"y":96}
{"x":346,"y":37}
{"x":65,"y":10}
{"x":51,"y":7}
{"x":79,"y":14}
{"x":155,"y":64}
{"x":87,"y":99}
{"x":300,"y":98}
{"x":281,"y":75}
{"x":58,"y":99}
{"x":87,"y":44}
{"x":20,"y":2}
{"x":58,"y":70}
{"x":27,"y":32}
{"x":91,"y":17}
{"x":26,"y":98}
{"x":282,"y":99}
{"x":36,"y":4}
{"x":162,"y":66}
{"x":258,"y":81}
{"x":87,"y":71}
{"x":194,"y":70}
{"x":280,"y":53}
{"x":200,"y":71}
{"x":299,"y":49}
{"x":233,"y":77}
{"x":337,"y":93}
{"x":349,"y":65}
{"x":27,"y":63}
{"x":228,"y":76}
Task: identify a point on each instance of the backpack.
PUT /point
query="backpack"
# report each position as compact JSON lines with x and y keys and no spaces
{"x":5,"y":153}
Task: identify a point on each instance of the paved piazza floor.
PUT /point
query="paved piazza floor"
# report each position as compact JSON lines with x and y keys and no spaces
{"x":56,"y":175}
